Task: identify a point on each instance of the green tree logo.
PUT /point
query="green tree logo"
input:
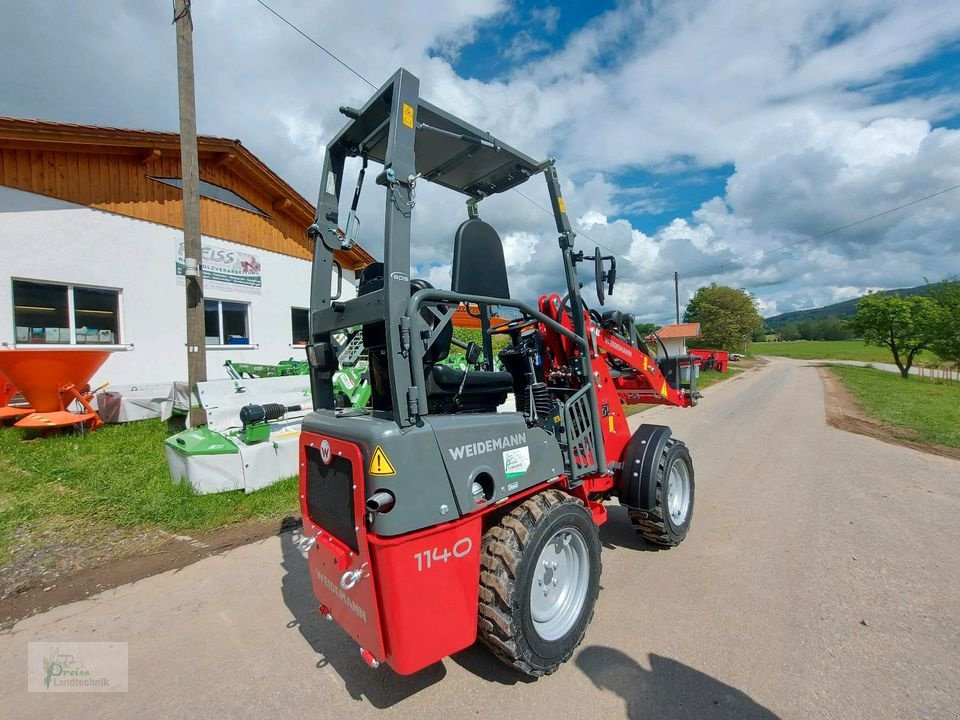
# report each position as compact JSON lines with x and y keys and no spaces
{"x":51,"y":668}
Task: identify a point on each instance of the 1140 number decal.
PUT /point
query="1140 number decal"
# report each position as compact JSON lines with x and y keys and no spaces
{"x":427,"y":558}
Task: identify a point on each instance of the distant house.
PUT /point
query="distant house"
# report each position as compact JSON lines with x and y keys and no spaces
{"x":674,"y":339}
{"x":91,"y":245}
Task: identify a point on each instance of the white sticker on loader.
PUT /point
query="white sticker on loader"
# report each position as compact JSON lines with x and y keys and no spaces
{"x":516,"y":462}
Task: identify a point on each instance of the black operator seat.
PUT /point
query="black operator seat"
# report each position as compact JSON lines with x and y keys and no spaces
{"x":478,"y":269}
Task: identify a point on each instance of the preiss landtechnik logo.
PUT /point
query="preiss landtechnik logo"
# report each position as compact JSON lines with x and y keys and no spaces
{"x":76,"y":667}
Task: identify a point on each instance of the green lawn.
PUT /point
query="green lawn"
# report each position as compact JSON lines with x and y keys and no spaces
{"x":114,"y":477}
{"x":829,"y":350}
{"x":929,"y":408}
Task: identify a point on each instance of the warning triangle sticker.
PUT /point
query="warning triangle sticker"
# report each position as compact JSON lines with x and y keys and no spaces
{"x":663,"y":389}
{"x":379,"y":464}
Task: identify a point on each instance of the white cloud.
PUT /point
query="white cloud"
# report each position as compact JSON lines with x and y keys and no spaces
{"x":805,"y":100}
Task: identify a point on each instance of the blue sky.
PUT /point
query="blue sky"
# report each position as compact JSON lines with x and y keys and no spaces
{"x":520,"y":34}
{"x":692,"y":135}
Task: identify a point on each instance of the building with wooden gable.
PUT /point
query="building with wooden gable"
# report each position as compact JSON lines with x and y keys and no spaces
{"x":91,"y":249}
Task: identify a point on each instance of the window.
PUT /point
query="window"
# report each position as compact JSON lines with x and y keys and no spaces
{"x":50,"y":313}
{"x":226,"y":322}
{"x":300,"y":324}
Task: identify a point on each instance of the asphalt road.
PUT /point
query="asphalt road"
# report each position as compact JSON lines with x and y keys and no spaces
{"x":821,"y":580}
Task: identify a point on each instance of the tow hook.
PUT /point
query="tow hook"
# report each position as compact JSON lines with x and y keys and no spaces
{"x":351,"y":577}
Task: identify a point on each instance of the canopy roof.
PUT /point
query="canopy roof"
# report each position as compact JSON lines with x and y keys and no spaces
{"x":449,"y":151}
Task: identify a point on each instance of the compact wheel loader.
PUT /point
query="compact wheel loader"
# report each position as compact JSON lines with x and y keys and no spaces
{"x":435,"y":516}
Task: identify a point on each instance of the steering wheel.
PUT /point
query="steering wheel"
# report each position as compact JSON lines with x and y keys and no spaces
{"x":512,"y":325}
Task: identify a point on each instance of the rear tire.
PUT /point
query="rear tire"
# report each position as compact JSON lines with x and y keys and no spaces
{"x":668,"y":522}
{"x":539,"y":580}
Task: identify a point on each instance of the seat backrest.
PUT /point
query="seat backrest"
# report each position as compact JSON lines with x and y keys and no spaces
{"x":478,"y":264}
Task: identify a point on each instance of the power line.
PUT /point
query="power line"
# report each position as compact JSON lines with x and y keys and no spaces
{"x":525,"y":197}
{"x":281,"y":17}
{"x":831,"y":231}
{"x":621,"y":255}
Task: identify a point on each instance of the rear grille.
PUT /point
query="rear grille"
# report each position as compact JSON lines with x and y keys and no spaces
{"x":330,"y":496}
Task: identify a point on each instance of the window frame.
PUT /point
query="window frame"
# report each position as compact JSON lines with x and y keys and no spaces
{"x":119,"y":341}
{"x":222,"y":344}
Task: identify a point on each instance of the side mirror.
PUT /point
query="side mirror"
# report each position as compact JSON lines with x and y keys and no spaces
{"x":600,"y":276}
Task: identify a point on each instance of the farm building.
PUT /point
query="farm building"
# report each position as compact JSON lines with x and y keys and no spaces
{"x":675,"y":338}
{"x":91,"y":244}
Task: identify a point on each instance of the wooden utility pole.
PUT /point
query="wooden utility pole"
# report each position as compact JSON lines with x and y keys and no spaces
{"x":676,"y":292}
{"x":190,"y":172}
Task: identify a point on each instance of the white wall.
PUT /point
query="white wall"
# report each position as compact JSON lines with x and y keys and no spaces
{"x":675,"y":347}
{"x":50,"y":240}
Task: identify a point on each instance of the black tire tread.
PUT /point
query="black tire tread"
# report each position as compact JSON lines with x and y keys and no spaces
{"x":651,"y":523}
{"x":502,"y":548}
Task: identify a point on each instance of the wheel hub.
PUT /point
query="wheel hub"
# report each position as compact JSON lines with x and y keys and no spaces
{"x":678,"y":493}
{"x":561,"y":580}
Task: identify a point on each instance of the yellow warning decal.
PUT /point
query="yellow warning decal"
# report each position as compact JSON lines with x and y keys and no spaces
{"x":407,"y":117}
{"x":561,"y":204}
{"x":610,"y":420}
{"x":379,"y":464}
{"x":663,"y":389}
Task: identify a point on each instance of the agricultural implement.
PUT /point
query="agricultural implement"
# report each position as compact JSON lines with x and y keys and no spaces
{"x":431,"y":519}
{"x":51,"y":381}
{"x":8,"y":412}
{"x":351,"y":382}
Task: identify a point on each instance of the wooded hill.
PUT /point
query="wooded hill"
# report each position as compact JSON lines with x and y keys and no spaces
{"x":841,"y":310}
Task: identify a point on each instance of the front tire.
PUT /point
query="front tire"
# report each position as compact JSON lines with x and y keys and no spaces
{"x":668,"y":522}
{"x":539,"y":580}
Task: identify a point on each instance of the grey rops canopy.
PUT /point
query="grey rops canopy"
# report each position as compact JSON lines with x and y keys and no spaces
{"x":448,"y":150}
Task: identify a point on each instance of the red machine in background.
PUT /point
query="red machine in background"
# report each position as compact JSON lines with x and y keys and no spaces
{"x":711,"y":359}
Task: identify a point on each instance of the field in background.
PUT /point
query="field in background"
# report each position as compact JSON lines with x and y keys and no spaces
{"x":830,"y":350}
{"x":928,"y":411}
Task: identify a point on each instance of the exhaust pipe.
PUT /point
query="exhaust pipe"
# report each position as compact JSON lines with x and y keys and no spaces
{"x":380,"y":502}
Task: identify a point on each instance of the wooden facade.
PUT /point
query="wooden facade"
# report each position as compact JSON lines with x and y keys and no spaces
{"x":111,"y":169}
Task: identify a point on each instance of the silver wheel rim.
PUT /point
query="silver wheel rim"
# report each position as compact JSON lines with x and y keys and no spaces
{"x":560,"y":582}
{"x":678,"y":492}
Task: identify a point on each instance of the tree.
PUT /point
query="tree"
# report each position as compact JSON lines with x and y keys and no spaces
{"x":946,"y":341}
{"x":905,"y":325}
{"x":728,"y":317}
{"x":790,"y":331}
{"x":645,"y":329}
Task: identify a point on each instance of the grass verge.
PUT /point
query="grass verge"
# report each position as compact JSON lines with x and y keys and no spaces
{"x":928,"y":411}
{"x":829,"y":350}
{"x":113,"y":478}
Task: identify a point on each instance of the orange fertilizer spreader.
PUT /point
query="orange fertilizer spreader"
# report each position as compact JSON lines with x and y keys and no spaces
{"x":51,"y":380}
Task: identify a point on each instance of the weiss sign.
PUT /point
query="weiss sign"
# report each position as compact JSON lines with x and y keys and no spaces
{"x":225,"y":269}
